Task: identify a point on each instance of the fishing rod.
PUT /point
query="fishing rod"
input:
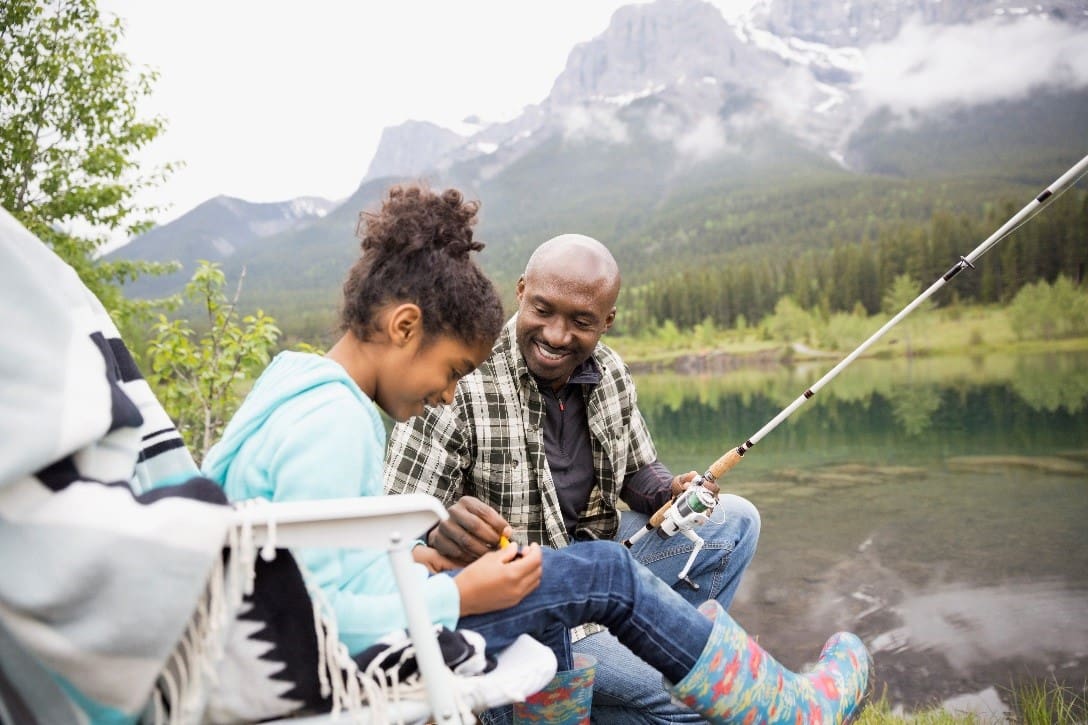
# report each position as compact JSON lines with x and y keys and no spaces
{"x":694,"y":506}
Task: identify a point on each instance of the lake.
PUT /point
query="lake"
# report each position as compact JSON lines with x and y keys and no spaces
{"x":936,"y":507}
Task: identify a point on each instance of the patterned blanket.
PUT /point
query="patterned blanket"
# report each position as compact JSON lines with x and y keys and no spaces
{"x":115,"y":600}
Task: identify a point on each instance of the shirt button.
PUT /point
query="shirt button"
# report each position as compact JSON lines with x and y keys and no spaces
{"x":515,"y":463}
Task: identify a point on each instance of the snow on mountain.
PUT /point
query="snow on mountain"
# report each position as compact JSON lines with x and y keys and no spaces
{"x":850,"y":22}
{"x":309,"y":206}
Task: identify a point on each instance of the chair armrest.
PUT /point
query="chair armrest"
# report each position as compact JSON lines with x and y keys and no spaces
{"x":373,"y":522}
{"x":387,"y":523}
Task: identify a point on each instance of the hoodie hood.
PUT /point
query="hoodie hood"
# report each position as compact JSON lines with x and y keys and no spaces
{"x":289,"y":375}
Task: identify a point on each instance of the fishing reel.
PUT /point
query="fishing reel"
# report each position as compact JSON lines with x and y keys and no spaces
{"x":691,"y":508}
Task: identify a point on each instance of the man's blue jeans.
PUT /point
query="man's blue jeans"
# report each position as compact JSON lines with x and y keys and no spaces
{"x":627,"y":689}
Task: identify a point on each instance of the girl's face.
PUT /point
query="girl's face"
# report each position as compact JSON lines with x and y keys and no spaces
{"x":428,"y":375}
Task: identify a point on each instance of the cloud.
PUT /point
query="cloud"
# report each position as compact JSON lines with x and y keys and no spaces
{"x":792,"y":97}
{"x":662,"y":124}
{"x":929,"y":66}
{"x":703,"y":140}
{"x":695,"y":140}
{"x":581,"y":123}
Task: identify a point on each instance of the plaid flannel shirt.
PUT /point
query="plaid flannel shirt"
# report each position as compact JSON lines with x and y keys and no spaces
{"x":490,"y":444}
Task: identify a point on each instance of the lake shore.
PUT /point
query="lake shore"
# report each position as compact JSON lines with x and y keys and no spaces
{"x":952,"y":331}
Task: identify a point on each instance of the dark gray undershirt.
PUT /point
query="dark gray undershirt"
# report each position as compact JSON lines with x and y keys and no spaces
{"x":570,"y":454}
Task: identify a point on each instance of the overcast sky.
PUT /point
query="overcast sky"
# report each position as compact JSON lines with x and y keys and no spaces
{"x":273,"y":99}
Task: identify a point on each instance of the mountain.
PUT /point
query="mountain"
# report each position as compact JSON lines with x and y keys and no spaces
{"x":814,"y":70}
{"x":218,"y":230}
{"x":688,"y":142}
{"x":863,"y":23}
{"x":411,"y":148}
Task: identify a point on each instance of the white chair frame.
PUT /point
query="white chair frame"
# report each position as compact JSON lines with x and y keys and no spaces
{"x":380,"y":522}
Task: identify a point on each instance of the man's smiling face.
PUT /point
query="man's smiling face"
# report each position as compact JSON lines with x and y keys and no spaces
{"x":562,"y":313}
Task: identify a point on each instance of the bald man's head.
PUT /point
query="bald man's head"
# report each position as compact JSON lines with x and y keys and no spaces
{"x":576,"y":256}
{"x":566,"y":301}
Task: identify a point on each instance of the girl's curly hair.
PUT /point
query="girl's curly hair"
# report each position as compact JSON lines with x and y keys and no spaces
{"x":418,"y":248}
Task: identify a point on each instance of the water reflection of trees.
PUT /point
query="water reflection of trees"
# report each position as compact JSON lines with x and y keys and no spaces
{"x":913,"y":407}
{"x":1052,"y":383}
{"x":952,"y":404}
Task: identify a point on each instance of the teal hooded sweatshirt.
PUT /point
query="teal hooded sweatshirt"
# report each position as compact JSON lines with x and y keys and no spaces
{"x":306,"y":431}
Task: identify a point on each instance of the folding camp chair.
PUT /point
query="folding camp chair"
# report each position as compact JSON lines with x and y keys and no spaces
{"x":388,"y":522}
{"x":393,"y":523}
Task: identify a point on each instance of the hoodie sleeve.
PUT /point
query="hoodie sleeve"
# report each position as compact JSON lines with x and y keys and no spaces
{"x":335,"y":451}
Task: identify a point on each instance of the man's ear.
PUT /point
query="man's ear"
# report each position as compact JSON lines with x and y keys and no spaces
{"x":405,"y":324}
{"x":520,"y":287}
{"x":609,"y":320}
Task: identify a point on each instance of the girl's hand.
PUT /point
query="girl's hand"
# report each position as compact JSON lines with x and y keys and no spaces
{"x":498,"y":580}
{"x":433,"y":560}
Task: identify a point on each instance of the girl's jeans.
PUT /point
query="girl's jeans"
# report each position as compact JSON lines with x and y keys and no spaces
{"x":599,"y":581}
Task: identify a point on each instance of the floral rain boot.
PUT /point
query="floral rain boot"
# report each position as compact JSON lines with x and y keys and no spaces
{"x":566,"y":700}
{"x":736,"y":681}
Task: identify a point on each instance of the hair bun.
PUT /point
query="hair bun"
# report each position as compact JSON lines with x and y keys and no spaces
{"x":417,"y":248}
{"x":459,"y":248}
{"x":414,"y":220}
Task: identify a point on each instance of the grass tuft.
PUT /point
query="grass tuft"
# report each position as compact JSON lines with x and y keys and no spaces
{"x":1046,"y":702}
{"x":1049,"y":703}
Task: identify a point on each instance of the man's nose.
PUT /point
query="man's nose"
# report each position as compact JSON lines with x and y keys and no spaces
{"x":557,"y":333}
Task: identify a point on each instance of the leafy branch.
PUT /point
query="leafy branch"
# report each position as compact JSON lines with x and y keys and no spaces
{"x":202,"y":377}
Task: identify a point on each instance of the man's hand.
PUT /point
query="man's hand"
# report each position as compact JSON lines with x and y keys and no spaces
{"x":682,"y":483}
{"x":472,"y":530}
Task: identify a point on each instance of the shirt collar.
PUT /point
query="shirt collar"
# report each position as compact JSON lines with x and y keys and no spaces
{"x":588,"y":372}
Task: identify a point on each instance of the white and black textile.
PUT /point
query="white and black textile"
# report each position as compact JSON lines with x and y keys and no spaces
{"x":104,"y":578}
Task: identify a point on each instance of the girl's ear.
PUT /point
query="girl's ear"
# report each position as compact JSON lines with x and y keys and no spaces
{"x":405,"y":324}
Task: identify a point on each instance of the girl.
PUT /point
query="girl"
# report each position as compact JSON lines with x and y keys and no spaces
{"x":417,"y":315}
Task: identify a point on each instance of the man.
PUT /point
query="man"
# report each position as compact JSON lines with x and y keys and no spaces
{"x":544,"y":440}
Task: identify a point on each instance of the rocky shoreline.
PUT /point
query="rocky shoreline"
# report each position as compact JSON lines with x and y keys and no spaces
{"x":714,"y":361}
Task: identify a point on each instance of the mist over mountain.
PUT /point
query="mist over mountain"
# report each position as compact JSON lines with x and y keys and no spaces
{"x":862,"y":23}
{"x":678,"y":137}
{"x":789,"y":64}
